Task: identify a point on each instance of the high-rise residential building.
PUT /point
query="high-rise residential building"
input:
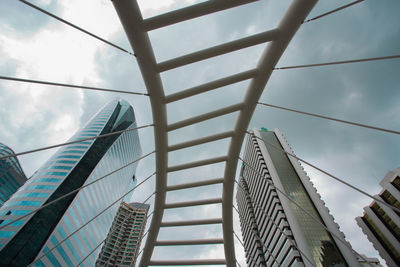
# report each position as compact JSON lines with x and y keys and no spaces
{"x":53,"y":235}
{"x":368,"y":261}
{"x":275,"y":230}
{"x":123,"y":241}
{"x":381,"y":224}
{"x":11,"y":174}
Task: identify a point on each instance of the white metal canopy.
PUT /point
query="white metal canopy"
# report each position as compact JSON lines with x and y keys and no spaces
{"x":137,"y":29}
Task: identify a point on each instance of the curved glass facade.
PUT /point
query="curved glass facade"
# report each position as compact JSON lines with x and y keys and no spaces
{"x":322,"y":246}
{"x":70,"y":168}
{"x":11,"y":174}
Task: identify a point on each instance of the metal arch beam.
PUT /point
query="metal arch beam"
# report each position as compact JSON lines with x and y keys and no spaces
{"x":290,"y":23}
{"x":132,"y":21}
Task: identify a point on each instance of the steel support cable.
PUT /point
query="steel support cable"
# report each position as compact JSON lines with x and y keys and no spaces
{"x":276,"y":225}
{"x":241,"y":243}
{"x":344,"y":242}
{"x":140,"y":252}
{"x":70,"y":85}
{"x":79,"y":188}
{"x":134,"y":222}
{"x":329,"y":174}
{"x":76,"y":27}
{"x":333,"y":11}
{"x":82,"y":261}
{"x":337,"y":62}
{"x":77,"y":230}
{"x":330,"y":118}
{"x":147,"y":218}
{"x":264,"y":246}
{"x":74,"y":142}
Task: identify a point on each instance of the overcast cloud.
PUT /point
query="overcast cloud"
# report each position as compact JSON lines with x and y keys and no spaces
{"x":35,"y":46}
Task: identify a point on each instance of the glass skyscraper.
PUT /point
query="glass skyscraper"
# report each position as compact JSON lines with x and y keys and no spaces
{"x":275,"y":230}
{"x":11,"y":174}
{"x":35,"y":238}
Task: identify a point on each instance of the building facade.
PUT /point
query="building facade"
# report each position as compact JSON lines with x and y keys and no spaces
{"x":382,"y":224}
{"x":276,"y":232}
{"x":123,"y":241}
{"x":11,"y":174}
{"x":53,"y":236}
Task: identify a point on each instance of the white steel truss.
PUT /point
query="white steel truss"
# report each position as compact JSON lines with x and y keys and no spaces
{"x":137,"y":29}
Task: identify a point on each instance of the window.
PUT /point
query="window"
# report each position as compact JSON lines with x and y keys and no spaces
{"x":6,"y":234}
{"x":80,"y":147}
{"x":72,"y":152}
{"x":55,"y":173}
{"x":68,"y":157}
{"x":39,"y":186}
{"x":66,"y":161}
{"x":16,"y":223}
{"x":32,"y":194}
{"x":24,"y":203}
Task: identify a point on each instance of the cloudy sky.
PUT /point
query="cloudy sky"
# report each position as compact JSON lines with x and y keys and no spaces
{"x":35,"y":46}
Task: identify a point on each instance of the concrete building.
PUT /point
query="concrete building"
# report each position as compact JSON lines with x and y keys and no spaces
{"x":368,"y":261}
{"x":123,"y":241}
{"x":275,"y":231}
{"x":11,"y":174}
{"x":54,"y":236}
{"x":382,"y":224}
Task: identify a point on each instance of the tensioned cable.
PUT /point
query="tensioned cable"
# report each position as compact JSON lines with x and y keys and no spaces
{"x":274,"y":223}
{"x":264,"y":246}
{"x":70,"y":85}
{"x":329,"y":174}
{"x":76,"y":27}
{"x":74,"y":142}
{"x":306,"y":212}
{"x":332,"y":119}
{"x":251,"y":259}
{"x":112,"y":204}
{"x":140,"y":252}
{"x":135,"y":254}
{"x":82,"y":261}
{"x":238,"y":263}
{"x":333,"y":11}
{"x":140,"y":241}
{"x":241,"y":243}
{"x":79,"y":188}
{"x":337,"y":62}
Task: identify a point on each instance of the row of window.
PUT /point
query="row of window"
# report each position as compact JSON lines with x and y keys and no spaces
{"x":95,"y":198}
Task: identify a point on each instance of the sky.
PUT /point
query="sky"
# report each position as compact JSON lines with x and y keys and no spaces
{"x":35,"y":46}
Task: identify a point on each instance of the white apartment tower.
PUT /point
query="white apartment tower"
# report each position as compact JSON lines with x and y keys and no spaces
{"x":123,"y":241}
{"x":276,"y":232}
{"x":382,"y":224}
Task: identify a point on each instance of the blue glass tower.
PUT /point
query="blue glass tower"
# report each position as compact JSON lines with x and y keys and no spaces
{"x":73,"y":166}
{"x":11,"y":174}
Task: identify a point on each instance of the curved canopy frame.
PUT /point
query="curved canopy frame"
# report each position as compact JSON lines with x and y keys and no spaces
{"x":137,"y":29}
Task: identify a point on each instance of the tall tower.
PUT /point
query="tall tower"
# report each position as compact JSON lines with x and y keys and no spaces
{"x":274,"y":229}
{"x":11,"y":174}
{"x":382,"y":224}
{"x":122,"y":245}
{"x":27,"y":240}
